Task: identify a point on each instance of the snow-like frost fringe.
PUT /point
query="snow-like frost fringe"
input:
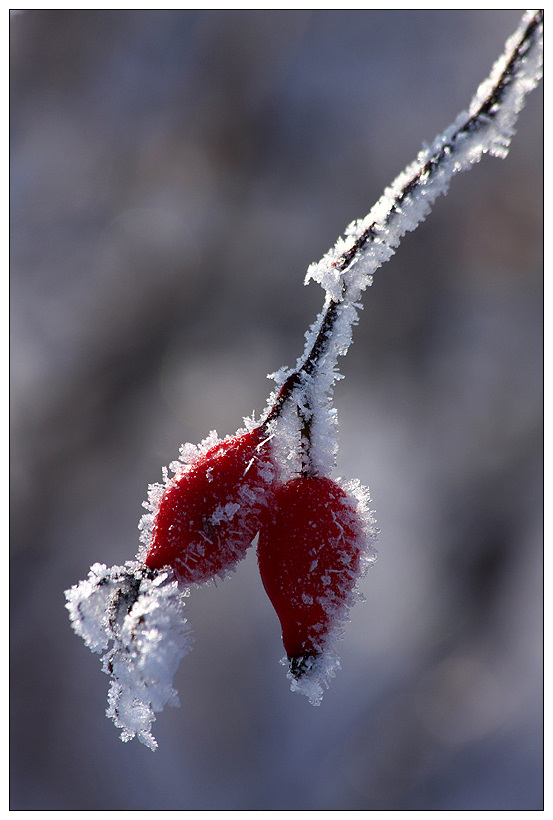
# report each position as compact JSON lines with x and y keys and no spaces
{"x":136,"y":617}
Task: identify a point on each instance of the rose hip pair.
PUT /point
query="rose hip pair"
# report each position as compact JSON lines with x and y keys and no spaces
{"x":311,"y":537}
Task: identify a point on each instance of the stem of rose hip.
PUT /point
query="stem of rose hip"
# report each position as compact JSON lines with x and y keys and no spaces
{"x":293,"y":382}
{"x":297,"y":378}
{"x":306,"y":418}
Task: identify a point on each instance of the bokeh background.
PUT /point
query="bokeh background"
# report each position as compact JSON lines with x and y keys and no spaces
{"x":173,"y":174}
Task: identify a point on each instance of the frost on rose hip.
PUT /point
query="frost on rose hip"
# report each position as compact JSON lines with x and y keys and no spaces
{"x":203,"y":520}
{"x":312,"y":549}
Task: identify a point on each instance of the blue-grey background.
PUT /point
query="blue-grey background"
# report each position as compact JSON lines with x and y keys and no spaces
{"x":173,"y":174}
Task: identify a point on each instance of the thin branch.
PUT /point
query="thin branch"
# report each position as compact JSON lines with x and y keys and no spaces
{"x":346,"y":270}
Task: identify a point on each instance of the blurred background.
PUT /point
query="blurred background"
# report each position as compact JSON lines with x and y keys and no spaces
{"x":173,"y":173}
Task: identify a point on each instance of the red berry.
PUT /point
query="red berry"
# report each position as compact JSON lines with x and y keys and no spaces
{"x":209,"y":513}
{"x":309,"y":554}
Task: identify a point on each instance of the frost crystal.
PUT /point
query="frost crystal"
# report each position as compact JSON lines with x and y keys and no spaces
{"x":316,"y":676}
{"x":137,"y":617}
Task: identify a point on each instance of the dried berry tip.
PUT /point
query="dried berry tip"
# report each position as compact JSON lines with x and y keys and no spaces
{"x":301,"y":665}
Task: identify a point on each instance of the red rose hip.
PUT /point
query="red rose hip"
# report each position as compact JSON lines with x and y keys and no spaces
{"x":309,"y":555}
{"x":210,"y":512}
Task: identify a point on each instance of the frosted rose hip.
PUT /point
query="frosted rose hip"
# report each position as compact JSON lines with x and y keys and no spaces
{"x":209,"y":514}
{"x":309,"y":554}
